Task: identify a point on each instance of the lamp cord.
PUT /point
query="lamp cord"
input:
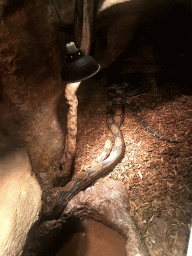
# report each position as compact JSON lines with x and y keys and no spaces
{"x":56,"y":11}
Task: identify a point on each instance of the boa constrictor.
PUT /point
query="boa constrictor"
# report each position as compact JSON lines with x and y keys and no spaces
{"x":108,"y":159}
{"x":110,"y":155}
{"x":121,"y":99}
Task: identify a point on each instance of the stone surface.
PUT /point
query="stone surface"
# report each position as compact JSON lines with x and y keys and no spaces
{"x":32,"y":97}
{"x":108,"y":203}
{"x":20,"y":197}
{"x":33,"y":107}
{"x":137,"y":26}
{"x":33,"y":111}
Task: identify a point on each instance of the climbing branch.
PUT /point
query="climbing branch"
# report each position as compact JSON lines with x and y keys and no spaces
{"x":85,"y":15}
{"x":70,"y":143}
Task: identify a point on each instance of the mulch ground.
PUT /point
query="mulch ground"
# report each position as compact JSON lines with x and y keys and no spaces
{"x":157,"y":174}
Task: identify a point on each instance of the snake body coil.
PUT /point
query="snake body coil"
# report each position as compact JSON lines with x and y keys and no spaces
{"x":98,"y":169}
{"x":109,"y":158}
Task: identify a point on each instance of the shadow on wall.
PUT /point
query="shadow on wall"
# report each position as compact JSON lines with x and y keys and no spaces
{"x":64,"y":35}
{"x":113,"y":29}
{"x":54,"y":239}
{"x":160,"y":42}
{"x":119,"y":27}
{"x":1,"y":91}
{"x":37,"y":50}
{"x":32,"y":102}
{"x":11,"y":6}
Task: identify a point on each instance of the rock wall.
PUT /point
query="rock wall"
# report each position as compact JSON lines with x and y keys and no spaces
{"x":20,"y":196}
{"x":33,"y":111}
{"x":32,"y":102}
{"x":32,"y":97}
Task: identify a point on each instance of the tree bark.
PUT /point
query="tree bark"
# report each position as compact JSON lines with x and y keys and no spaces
{"x":84,"y":11}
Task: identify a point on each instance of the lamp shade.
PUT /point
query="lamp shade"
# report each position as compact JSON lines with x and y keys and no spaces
{"x":77,"y":66}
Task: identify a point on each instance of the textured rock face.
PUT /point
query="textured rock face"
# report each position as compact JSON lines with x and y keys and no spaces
{"x":137,"y":26}
{"x":33,"y":110}
{"x":20,"y":197}
{"x":32,"y":104}
{"x":113,"y":25}
{"x":108,"y":203}
{"x":33,"y":107}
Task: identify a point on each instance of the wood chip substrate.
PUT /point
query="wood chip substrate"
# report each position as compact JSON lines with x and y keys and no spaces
{"x":157,"y":174}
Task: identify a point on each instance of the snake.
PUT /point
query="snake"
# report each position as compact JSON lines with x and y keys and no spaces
{"x":111,"y":155}
{"x":121,"y":99}
{"x":108,"y":159}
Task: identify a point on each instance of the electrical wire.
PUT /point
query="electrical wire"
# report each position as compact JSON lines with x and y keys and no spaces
{"x":56,"y":11}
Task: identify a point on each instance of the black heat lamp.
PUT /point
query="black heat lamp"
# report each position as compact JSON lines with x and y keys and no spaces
{"x":77,"y":66}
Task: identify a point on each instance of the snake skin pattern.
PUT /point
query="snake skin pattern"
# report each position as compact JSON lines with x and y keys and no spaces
{"x":109,"y":140}
{"x":121,"y":99}
{"x":109,"y":157}
{"x":103,"y":165}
